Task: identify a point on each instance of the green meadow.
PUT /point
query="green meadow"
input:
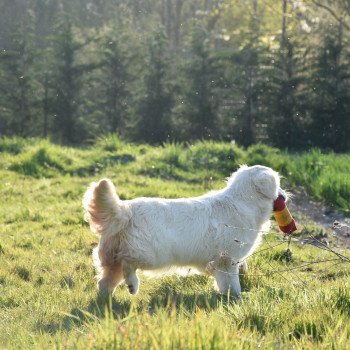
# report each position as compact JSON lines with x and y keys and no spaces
{"x":48,"y":295}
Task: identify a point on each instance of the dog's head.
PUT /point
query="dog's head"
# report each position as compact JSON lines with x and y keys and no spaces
{"x":257,"y":182}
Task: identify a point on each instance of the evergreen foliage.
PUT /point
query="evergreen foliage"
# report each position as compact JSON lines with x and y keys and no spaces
{"x":201,"y":100}
{"x":153,"y":71}
{"x":331,"y":83}
{"x":153,"y":125}
{"x":66,"y":81}
{"x":18,"y":81}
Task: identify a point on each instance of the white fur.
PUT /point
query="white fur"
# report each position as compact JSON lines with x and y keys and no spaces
{"x":213,"y":233}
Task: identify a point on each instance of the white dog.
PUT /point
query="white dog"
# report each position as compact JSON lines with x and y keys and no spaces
{"x":213,"y":233}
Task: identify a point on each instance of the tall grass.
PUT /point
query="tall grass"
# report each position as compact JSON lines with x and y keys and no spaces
{"x":325,"y":176}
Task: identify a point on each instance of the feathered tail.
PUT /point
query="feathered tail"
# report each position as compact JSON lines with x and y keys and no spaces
{"x":104,"y":210}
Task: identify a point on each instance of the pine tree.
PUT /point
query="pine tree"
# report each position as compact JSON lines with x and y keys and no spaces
{"x":331,"y":99}
{"x":66,"y":81}
{"x":247,"y":81}
{"x":114,"y":81}
{"x":19,"y":85}
{"x":201,"y":97}
{"x":154,"y":112}
{"x":284,"y":95}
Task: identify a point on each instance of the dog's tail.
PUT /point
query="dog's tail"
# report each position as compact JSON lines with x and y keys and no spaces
{"x":104,"y":210}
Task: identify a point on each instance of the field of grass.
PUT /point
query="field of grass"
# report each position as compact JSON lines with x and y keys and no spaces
{"x":48,"y":296}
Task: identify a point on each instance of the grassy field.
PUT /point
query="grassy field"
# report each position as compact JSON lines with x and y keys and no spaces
{"x":48,"y":294}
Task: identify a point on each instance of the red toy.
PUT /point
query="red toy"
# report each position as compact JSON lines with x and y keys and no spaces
{"x":283,"y":217}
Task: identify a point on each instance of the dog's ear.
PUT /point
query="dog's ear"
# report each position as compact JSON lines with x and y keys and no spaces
{"x":266,"y":184}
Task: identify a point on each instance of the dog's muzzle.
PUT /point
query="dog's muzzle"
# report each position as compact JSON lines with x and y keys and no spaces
{"x":283,"y":194}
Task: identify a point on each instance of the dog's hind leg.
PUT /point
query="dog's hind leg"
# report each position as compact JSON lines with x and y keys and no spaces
{"x":131,"y":279}
{"x":110,"y":277}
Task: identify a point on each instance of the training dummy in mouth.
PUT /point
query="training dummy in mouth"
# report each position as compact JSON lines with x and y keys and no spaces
{"x":284,"y":219}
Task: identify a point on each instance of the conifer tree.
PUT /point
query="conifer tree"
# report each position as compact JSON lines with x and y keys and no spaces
{"x":19,"y":85}
{"x":201,"y":97}
{"x":284,"y":98}
{"x":331,"y":98}
{"x":66,"y":81}
{"x":154,"y":112}
{"x":247,"y":81}
{"x":114,"y":80}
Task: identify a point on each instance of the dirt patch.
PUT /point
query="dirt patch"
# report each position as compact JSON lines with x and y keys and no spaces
{"x":334,"y":222}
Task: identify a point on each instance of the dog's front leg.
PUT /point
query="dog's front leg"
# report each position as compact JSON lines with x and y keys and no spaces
{"x":243,"y":268}
{"x":235,"y":286}
{"x":131,"y":279}
{"x":226,"y":274}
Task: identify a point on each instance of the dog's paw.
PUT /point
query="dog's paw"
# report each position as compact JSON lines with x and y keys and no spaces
{"x":132,"y":289}
{"x":104,"y":288}
{"x":133,"y":284}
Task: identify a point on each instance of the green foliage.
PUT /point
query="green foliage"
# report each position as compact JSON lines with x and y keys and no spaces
{"x":222,"y":158}
{"x":170,"y":71}
{"x":286,"y":93}
{"x":19,"y":85}
{"x":201,"y":101}
{"x":13,"y":145}
{"x":323,"y":175}
{"x":268,"y":156}
{"x":110,"y":143}
{"x":38,"y":163}
{"x":331,"y":98}
{"x":66,"y":77}
{"x":249,"y":75}
{"x":114,"y":79}
{"x":202,"y":161}
{"x":343,"y":301}
{"x":153,"y":125}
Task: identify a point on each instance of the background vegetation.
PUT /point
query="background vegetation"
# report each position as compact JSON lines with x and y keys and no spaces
{"x":160,"y":70}
{"x":187,"y":91}
{"x":48,"y":294}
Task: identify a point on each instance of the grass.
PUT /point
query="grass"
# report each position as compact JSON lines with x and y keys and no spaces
{"x":48,"y":295}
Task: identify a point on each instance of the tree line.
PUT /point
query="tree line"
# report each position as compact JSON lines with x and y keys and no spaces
{"x":267,"y":71}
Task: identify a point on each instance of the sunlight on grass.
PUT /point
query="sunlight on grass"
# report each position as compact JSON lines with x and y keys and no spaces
{"x":48,"y":295}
